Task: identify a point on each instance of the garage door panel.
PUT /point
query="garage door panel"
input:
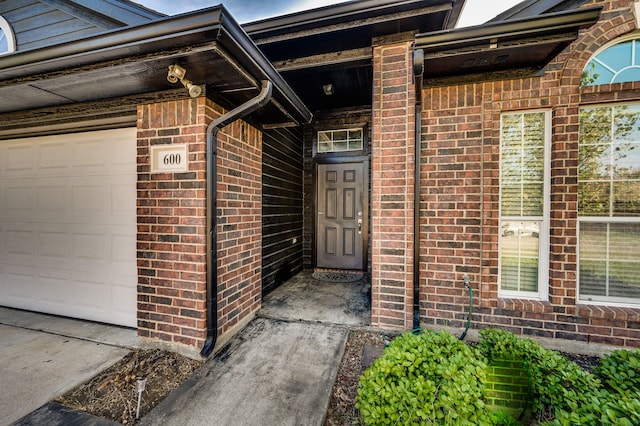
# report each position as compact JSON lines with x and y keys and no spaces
{"x":68,"y":225}
{"x":53,"y":156}
{"x":90,"y":153}
{"x":20,"y":243}
{"x":19,"y":158}
{"x":121,"y":194}
{"x":53,"y":245}
{"x":51,"y":202}
{"x":123,"y":248}
{"x":89,"y":201}
{"x":54,"y":290}
{"x":17,"y":202}
{"x":21,"y":284}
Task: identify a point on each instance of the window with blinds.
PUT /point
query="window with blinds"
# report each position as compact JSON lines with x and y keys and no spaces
{"x":609,"y":205}
{"x":524,"y":146}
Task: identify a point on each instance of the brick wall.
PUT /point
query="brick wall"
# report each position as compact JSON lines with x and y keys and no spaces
{"x":508,"y":387}
{"x":239,"y":224}
{"x":460,"y":194}
{"x":171,"y":211}
{"x":392,"y":151}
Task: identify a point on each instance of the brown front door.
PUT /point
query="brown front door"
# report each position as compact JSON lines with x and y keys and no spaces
{"x":340,"y":216}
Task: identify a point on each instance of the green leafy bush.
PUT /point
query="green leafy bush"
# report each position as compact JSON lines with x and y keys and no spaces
{"x":558,"y":384}
{"x":430,"y":378}
{"x":502,"y":418}
{"x":620,"y":371}
{"x":601,"y":408}
{"x":618,"y":401}
{"x":433,"y":378}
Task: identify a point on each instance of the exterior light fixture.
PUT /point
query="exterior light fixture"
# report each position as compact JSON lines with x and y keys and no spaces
{"x":177,"y":73}
{"x":327,"y":89}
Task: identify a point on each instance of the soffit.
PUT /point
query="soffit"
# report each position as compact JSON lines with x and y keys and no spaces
{"x":134,"y":60}
{"x":501,"y":49}
{"x":333,"y":45}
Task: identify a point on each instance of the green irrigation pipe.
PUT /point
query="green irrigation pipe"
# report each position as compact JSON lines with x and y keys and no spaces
{"x":467,"y":279}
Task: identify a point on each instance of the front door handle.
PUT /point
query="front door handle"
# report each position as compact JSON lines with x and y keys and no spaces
{"x":359,"y":226}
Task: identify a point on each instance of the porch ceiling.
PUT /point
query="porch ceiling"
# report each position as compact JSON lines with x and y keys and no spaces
{"x":499,"y":49}
{"x":333,"y":44}
{"x":135,"y":60}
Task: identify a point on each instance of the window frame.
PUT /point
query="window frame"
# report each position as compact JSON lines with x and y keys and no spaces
{"x":542,"y":293}
{"x":9,"y":36}
{"x":332,"y":131}
{"x":634,"y":36}
{"x":608,"y":219}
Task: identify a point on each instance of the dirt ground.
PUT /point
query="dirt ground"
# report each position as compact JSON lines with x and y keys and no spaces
{"x":113,"y":393}
{"x":342,"y":410}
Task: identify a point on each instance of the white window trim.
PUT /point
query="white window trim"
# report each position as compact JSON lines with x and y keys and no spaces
{"x":543,"y":236}
{"x":602,"y":300}
{"x":635,"y":35}
{"x":332,"y":131}
{"x":9,"y":35}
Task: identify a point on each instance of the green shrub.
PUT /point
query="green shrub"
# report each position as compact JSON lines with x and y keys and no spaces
{"x":620,"y":371}
{"x":433,"y":378}
{"x":558,"y":384}
{"x":602,"y":408}
{"x":618,"y":402}
{"x":502,"y":418}
{"x":430,"y":378}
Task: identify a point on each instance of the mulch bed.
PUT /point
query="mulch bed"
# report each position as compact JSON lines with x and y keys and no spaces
{"x":113,"y":393}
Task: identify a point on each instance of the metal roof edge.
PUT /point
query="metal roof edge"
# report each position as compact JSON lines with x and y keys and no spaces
{"x":328,"y":15}
{"x":531,"y":8}
{"x":457,"y":6}
{"x":582,"y":18}
{"x":111,"y":41}
{"x":255,"y":59}
{"x":119,"y":43}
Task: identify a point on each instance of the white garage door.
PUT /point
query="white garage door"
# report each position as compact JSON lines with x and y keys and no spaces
{"x":68,"y":225}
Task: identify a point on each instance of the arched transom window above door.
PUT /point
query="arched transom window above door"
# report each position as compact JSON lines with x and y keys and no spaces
{"x":7,"y":38}
{"x":616,"y":63}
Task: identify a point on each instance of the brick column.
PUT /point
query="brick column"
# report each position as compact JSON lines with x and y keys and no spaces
{"x":392,"y":186}
{"x":171,"y":229}
{"x":239,"y":226}
{"x":171,"y":210}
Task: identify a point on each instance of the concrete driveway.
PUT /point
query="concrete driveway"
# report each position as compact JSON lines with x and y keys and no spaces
{"x":45,"y":356}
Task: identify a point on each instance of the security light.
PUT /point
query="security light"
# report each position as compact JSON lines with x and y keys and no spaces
{"x":177,"y":73}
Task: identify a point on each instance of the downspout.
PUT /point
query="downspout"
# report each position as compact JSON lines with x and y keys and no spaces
{"x":212,"y":221}
{"x":418,"y":70}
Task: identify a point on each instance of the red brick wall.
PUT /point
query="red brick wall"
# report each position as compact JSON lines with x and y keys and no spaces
{"x":460,"y":193}
{"x":392,"y":154}
{"x":171,"y":210}
{"x":239,"y":224}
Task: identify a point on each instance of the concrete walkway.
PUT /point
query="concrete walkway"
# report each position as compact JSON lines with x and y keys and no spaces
{"x":273,"y":373}
{"x":278,"y":371}
{"x":40,"y":359}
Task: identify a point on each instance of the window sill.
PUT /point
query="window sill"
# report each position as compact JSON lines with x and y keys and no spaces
{"x":608,"y":312}
{"x":524,"y":305}
{"x":610,"y":92}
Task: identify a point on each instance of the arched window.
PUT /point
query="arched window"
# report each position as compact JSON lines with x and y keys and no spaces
{"x":617,"y":63}
{"x":7,"y":39}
